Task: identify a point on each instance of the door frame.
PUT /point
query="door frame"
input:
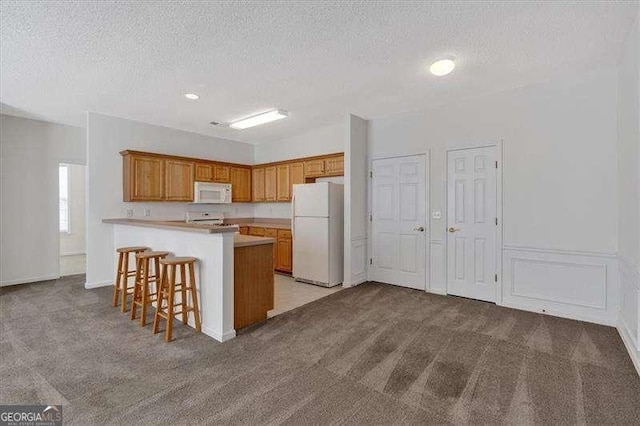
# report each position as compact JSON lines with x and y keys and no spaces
{"x":427,"y":212}
{"x":499,"y":228}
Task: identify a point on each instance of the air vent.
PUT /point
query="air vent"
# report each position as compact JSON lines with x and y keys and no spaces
{"x":217,"y":124}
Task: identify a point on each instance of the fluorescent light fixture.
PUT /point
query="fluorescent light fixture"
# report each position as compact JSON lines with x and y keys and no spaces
{"x":192,"y":96}
{"x":258,"y":119}
{"x":442,"y":67}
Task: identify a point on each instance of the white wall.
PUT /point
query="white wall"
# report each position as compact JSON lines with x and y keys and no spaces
{"x":629,"y":191}
{"x":317,"y":141}
{"x":73,"y":242}
{"x":30,"y":153}
{"x":559,"y":176}
{"x":106,"y":137}
{"x":355,"y":201}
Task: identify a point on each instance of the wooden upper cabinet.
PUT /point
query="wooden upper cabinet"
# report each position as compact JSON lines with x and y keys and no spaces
{"x":334,"y":166}
{"x":240,"y":178}
{"x":221,"y":174}
{"x":143,"y":178}
{"x":270,"y":184}
{"x":179,"y":180}
{"x":204,"y":172}
{"x":314,"y":168}
{"x":296,"y":175}
{"x":283,"y":182}
{"x":257,"y":182}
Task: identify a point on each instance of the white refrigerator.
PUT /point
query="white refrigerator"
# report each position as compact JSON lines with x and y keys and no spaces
{"x":317,"y":228}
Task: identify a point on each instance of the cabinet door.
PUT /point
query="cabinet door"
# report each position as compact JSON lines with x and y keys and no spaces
{"x":296,"y":175}
{"x":244,"y":230}
{"x":221,"y":173}
{"x":334,"y":166}
{"x":273,"y":233}
{"x":283,"y":182}
{"x":204,"y":172}
{"x":284,"y":251}
{"x":179,"y":180}
{"x":256,"y":231}
{"x":240,"y":185}
{"x":314,"y":168}
{"x":257,"y":182}
{"x":144,"y":178}
{"x":270,"y":184}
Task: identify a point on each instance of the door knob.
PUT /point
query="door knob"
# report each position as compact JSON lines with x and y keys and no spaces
{"x":419,"y":228}
{"x":452,"y":229}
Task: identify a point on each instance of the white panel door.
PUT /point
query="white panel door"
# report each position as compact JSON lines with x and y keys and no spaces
{"x":398,"y":225}
{"x":471,"y":218}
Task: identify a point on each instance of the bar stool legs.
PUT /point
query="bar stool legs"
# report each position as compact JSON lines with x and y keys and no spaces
{"x":143,"y":294}
{"x":121,"y":286}
{"x":166,"y":295}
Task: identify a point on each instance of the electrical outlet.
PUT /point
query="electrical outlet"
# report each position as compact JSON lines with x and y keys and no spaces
{"x":129,"y":212}
{"x":147,"y":212}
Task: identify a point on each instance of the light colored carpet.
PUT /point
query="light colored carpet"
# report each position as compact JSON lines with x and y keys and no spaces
{"x":373,"y":354}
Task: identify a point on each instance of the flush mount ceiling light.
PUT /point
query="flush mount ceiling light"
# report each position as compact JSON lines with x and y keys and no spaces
{"x":192,"y":96}
{"x":442,"y":67}
{"x":258,"y":119}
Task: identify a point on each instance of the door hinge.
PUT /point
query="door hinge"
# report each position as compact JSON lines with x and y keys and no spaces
{"x":370,"y":218}
{"x":496,"y":221}
{"x":495,"y":278}
{"x":370,"y":261}
{"x":496,"y":164}
{"x":370,"y":174}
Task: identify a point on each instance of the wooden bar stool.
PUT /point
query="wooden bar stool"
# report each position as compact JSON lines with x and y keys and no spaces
{"x":121,"y":287}
{"x":143,"y":295}
{"x":168,"y":289}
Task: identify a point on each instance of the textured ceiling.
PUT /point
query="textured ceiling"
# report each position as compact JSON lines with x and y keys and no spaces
{"x":316,"y":59}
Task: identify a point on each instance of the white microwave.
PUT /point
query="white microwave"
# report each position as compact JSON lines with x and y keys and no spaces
{"x":212,"y":193}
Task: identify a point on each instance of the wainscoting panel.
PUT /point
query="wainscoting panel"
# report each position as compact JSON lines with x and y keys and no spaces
{"x":629,"y":323}
{"x":358,"y":261}
{"x":437,"y":267}
{"x":579,"y":285}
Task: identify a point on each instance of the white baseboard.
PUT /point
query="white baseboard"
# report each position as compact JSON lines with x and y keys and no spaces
{"x":219,"y":337}
{"x":630,"y":344}
{"x":29,"y":280}
{"x":89,"y":286}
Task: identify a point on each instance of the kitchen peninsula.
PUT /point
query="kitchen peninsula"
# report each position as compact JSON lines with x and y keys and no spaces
{"x":234,"y":272}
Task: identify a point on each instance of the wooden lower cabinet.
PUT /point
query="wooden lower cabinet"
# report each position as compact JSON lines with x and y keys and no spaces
{"x":253,"y":284}
{"x":273,"y":233}
{"x":256,"y":231}
{"x":244,"y":230}
{"x":284,"y":251}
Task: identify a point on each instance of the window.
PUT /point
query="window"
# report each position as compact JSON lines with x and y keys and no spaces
{"x":63,"y":191}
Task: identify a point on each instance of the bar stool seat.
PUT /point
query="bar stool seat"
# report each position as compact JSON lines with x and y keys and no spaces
{"x":121,"y":287}
{"x":143,"y":294}
{"x":166,"y":305}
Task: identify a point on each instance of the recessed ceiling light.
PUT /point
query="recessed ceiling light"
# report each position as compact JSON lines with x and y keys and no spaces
{"x":192,"y":96}
{"x":442,"y":67}
{"x":262,"y":118}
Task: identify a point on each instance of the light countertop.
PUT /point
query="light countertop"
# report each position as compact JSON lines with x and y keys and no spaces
{"x":177,"y":225}
{"x":250,"y":240}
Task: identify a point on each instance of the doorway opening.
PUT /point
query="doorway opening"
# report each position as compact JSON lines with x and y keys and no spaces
{"x":71,"y":223}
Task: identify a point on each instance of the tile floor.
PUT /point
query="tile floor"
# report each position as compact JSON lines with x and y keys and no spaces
{"x":73,"y":265}
{"x":290,"y":294}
